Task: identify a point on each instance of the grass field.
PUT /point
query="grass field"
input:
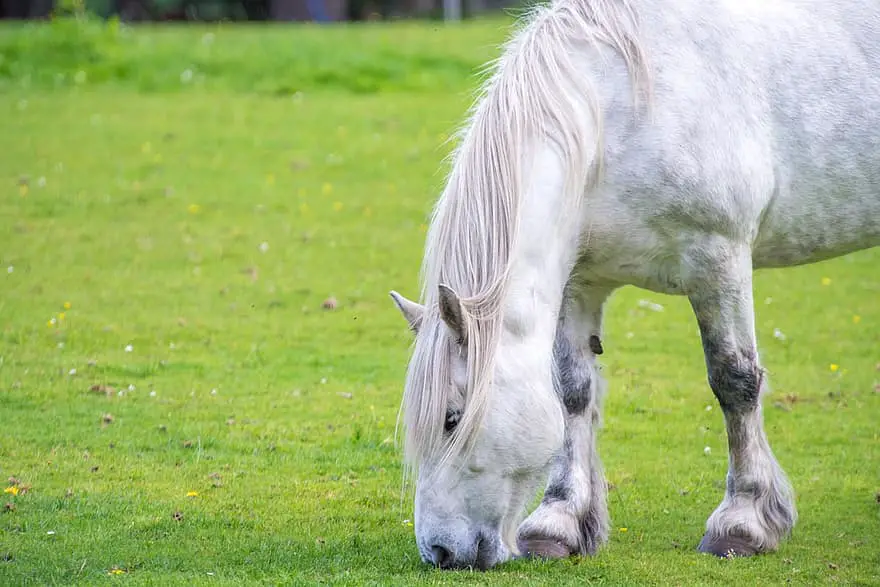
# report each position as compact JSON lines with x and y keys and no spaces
{"x":176,"y":406}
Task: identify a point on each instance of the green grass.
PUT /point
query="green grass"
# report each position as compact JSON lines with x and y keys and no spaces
{"x":143,"y":202}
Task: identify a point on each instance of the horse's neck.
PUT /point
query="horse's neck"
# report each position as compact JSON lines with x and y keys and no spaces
{"x":546,"y":249}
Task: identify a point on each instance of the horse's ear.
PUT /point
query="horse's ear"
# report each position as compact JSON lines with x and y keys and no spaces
{"x":412,"y":311}
{"x":452,"y":314}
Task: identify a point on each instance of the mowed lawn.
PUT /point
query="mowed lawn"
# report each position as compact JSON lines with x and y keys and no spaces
{"x":177,"y":405}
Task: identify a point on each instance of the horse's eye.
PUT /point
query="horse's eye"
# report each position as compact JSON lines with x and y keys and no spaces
{"x":452,"y":418}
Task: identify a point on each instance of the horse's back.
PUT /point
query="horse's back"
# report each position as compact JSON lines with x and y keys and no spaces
{"x":764,"y":128}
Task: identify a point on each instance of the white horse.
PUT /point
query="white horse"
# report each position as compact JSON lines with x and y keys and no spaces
{"x":674,"y":145}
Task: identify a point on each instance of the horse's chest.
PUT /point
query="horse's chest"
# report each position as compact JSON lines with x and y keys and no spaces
{"x":623,"y":249}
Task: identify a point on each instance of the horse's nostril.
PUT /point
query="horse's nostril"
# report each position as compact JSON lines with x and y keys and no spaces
{"x":482,"y":552}
{"x":442,"y":557}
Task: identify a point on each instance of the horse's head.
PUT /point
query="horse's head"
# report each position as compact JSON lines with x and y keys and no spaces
{"x":482,"y":426}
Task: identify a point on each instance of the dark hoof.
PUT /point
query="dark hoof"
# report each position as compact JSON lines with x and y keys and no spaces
{"x":727,"y":546}
{"x":542,"y":547}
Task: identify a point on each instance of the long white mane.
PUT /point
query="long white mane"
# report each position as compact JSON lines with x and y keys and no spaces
{"x":536,"y":93}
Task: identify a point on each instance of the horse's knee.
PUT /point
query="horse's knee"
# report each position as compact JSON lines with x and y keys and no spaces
{"x":735,"y":378}
{"x":573,"y":376}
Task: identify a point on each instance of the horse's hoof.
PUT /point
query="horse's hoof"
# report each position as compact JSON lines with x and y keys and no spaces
{"x":542,"y":547}
{"x":727,"y":546}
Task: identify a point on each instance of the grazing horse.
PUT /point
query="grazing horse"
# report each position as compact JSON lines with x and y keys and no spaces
{"x":672,"y":145}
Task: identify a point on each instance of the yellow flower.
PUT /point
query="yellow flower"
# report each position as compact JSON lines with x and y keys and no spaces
{"x":834,"y":367}
{"x":194,"y":208}
{"x":116,"y":571}
{"x":67,"y":305}
{"x":624,"y":529}
{"x":337,"y":206}
{"x":856,"y":318}
{"x":327,"y":189}
{"x":12,"y":489}
{"x":23,"y":189}
{"x":826,"y":281}
{"x":192,"y":493}
{"x":60,"y":316}
{"x":50,"y":323}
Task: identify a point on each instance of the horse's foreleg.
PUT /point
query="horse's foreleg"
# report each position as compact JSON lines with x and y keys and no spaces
{"x":758,"y":507}
{"x":573,"y":516}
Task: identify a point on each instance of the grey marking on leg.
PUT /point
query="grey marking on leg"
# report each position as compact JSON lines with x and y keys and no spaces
{"x":573,"y":375}
{"x":559,"y":489}
{"x":734,"y":375}
{"x":594,"y":521}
